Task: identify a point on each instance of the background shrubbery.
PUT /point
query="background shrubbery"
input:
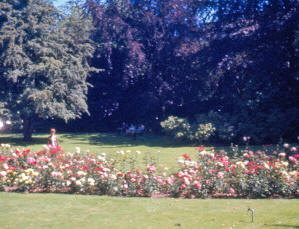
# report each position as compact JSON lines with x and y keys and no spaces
{"x":181,"y":128}
{"x":225,"y":127}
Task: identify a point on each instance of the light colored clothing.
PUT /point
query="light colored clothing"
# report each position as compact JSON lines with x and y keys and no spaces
{"x":53,"y":138}
{"x":53,"y":141}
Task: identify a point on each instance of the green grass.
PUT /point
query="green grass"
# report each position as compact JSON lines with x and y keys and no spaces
{"x":79,"y":211}
{"x":161,"y":147}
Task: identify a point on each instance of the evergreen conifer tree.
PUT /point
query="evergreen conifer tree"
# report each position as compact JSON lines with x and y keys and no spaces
{"x":43,"y":61}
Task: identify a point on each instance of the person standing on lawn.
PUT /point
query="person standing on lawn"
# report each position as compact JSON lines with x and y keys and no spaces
{"x":53,"y":140}
{"x":53,"y":143}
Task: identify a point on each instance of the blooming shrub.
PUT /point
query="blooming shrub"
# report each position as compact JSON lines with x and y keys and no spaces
{"x":212,"y":174}
{"x":228,"y":127}
{"x":181,"y":128}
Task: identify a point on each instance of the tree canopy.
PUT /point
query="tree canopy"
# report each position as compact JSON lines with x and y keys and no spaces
{"x":190,"y":57}
{"x":43,"y":61}
{"x":233,"y":63}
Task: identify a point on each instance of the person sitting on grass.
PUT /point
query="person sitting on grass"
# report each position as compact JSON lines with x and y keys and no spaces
{"x":140,"y":129}
{"x":122,"y":128}
{"x":132,"y":131}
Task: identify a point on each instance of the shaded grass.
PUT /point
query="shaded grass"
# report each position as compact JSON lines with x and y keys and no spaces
{"x":79,"y":211}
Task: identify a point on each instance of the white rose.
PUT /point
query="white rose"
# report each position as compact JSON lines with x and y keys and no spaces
{"x":78,"y":183}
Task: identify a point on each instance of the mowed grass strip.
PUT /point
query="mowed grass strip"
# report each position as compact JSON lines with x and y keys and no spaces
{"x":80,"y":211}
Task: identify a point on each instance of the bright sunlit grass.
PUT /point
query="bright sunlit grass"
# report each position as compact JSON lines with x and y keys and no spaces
{"x":79,"y":211}
{"x":164,"y":149}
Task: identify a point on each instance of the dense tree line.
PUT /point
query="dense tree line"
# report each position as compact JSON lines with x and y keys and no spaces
{"x":185,"y":58}
{"x":154,"y":59}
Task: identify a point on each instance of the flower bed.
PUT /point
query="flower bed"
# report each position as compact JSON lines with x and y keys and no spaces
{"x":212,"y":174}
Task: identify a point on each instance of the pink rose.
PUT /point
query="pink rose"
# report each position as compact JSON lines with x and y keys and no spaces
{"x":31,"y":161}
{"x":211,"y":171}
{"x":198,"y":185}
{"x":151,"y":169}
{"x":246,"y":155}
{"x":225,"y":163}
{"x":292,"y":159}
{"x":138,"y":172}
{"x":54,"y":174}
{"x":169,"y":180}
{"x":220,"y":175}
{"x":160,"y":181}
{"x":186,"y":180}
{"x":5,"y":166}
{"x":250,"y":153}
{"x":145,"y":176}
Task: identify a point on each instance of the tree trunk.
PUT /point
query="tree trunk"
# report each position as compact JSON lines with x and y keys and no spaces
{"x":28,"y":129}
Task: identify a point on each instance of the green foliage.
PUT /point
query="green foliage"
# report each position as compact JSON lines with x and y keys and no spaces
{"x":181,"y":128}
{"x":226,"y":127}
{"x":44,"y":60}
{"x":223,"y":124}
{"x":3,"y":111}
{"x":176,"y":127}
{"x":205,"y":126}
{"x":296,"y":46}
{"x":296,"y":43}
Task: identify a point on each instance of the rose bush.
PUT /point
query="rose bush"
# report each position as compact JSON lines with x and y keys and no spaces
{"x":211,"y":174}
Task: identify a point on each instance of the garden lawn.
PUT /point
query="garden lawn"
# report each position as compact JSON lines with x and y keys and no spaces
{"x":79,"y":211}
{"x":160,"y":147}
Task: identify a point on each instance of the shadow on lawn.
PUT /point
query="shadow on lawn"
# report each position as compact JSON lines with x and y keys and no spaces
{"x":17,"y":140}
{"x":109,"y":140}
{"x":115,"y":140}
